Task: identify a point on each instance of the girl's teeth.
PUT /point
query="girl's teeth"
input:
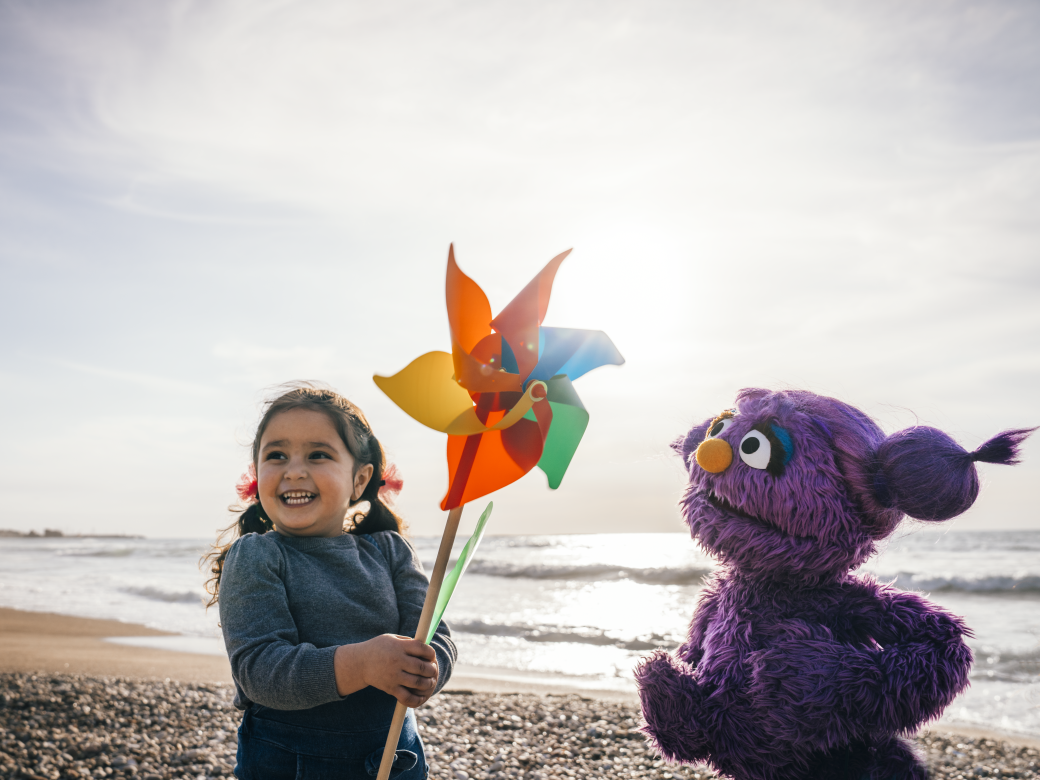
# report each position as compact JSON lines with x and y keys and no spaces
{"x":295,"y":499}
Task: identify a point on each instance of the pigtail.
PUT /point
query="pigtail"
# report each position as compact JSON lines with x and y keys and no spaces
{"x":924,"y":473}
{"x":385,"y":482}
{"x":252,"y":520}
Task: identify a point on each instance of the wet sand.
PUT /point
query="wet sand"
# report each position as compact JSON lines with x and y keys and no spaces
{"x":49,"y":643}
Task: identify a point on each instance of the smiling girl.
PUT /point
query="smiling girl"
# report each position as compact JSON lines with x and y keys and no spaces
{"x":318,"y":598}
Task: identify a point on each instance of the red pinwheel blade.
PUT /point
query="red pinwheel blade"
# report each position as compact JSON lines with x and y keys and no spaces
{"x":518,"y":322}
{"x":483,"y":463}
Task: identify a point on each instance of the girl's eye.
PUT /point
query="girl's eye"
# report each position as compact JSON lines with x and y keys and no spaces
{"x":720,"y":426}
{"x":755,"y":450}
{"x":275,"y":456}
{"x":319,"y":455}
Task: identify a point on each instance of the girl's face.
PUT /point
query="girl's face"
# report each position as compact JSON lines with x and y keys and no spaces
{"x":306,"y":476}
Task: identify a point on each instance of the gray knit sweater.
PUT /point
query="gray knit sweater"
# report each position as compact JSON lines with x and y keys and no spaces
{"x":287,"y":602}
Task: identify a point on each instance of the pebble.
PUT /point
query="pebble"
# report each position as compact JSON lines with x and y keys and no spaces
{"x":65,"y":726}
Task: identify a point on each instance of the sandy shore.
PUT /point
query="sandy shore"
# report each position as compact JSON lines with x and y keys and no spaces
{"x":44,"y":642}
{"x":73,"y":705}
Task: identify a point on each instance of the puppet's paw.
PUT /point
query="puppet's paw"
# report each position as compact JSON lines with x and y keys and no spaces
{"x":895,"y":758}
{"x":812,"y":692}
{"x":672,"y":707}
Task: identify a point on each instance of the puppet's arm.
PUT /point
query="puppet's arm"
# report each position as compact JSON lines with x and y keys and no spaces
{"x":813,"y":689}
{"x":671,"y":693}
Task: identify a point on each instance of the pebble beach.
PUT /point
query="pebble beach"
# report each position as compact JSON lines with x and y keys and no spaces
{"x":77,"y":726}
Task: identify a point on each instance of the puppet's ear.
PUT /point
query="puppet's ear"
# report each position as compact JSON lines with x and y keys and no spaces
{"x":677,"y":444}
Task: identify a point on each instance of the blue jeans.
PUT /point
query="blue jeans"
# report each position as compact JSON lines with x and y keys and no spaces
{"x":336,"y":740}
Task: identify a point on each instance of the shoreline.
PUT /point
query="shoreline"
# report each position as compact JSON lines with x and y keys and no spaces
{"x":50,"y":643}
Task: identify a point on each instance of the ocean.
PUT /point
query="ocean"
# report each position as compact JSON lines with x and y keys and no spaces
{"x":575,"y":610}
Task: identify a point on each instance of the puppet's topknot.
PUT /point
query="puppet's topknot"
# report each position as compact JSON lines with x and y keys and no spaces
{"x":925,"y":474}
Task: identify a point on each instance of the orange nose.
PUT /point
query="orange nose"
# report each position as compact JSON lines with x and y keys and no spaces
{"x":714,"y":455}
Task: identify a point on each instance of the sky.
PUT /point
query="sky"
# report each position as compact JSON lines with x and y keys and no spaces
{"x":202,"y":200}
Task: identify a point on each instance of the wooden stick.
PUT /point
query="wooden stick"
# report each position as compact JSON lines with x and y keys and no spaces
{"x":436,"y":578}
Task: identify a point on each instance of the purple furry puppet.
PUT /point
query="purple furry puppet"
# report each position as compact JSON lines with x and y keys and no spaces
{"x":794,"y":667}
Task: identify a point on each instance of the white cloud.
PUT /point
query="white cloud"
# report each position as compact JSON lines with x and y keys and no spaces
{"x":237,"y":194}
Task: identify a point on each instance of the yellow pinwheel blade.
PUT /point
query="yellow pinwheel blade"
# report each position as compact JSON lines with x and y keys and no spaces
{"x":426,"y":391}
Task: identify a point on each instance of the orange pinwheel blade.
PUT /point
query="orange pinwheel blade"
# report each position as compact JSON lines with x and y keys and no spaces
{"x":518,"y":322}
{"x":483,"y":463}
{"x":476,"y":350}
{"x":469,"y":313}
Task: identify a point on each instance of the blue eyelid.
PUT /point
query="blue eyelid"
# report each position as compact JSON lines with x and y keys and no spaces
{"x":785,"y":439}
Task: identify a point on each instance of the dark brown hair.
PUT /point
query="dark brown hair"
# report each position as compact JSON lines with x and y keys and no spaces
{"x":357,"y":436}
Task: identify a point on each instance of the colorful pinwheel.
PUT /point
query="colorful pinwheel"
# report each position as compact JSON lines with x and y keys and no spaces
{"x":505,"y":399}
{"x":504,"y":394}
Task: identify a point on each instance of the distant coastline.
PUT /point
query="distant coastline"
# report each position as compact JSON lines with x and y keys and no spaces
{"x":50,"y":533}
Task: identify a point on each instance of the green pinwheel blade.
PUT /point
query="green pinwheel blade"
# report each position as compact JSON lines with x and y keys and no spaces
{"x":451,"y":579}
{"x":569,"y":421}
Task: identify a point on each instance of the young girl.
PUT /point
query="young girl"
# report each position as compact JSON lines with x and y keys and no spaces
{"x":319,"y":601}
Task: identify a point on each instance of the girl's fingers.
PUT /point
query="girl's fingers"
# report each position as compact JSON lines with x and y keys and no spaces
{"x":419,"y":684}
{"x":421,"y":668}
{"x":409,"y":698}
{"x":421,"y":650}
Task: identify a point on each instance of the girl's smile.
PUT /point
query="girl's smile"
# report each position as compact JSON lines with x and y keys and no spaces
{"x":297,"y":498}
{"x":306,"y":477}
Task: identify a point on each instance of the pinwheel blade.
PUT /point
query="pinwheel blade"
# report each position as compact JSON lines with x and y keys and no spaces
{"x":519,"y":321}
{"x":469,"y":313}
{"x":485,"y":462}
{"x":573,"y":352}
{"x":451,"y":579}
{"x":425,"y":390}
{"x":569,"y":422}
{"x":476,"y":351}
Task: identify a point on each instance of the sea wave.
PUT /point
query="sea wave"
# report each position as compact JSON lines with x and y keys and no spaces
{"x":558,"y":634}
{"x":981,"y":583}
{"x":168,"y":596}
{"x":1007,"y":667}
{"x":594,"y":571}
{"x":111,"y":552}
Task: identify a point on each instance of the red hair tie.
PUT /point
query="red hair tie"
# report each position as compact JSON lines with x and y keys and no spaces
{"x":391,"y":483}
{"x":247,"y":487}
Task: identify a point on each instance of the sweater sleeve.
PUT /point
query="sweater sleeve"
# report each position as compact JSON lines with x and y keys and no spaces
{"x":410,"y":584}
{"x":272,"y":667}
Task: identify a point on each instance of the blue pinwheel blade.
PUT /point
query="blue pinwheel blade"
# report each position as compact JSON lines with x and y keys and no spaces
{"x":573,"y":352}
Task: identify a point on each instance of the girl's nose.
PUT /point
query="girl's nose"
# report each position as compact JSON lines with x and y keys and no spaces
{"x":296,"y":468}
{"x":714,"y":455}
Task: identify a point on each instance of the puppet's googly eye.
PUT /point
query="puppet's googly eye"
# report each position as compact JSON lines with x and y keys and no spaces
{"x":719,"y":426}
{"x":755,"y":450}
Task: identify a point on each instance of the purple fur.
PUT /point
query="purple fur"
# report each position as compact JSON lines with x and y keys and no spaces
{"x":793,"y":667}
{"x":1002,"y":448}
{"x":929,"y":476}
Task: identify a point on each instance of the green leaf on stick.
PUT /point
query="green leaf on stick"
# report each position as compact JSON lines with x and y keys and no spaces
{"x":452,"y":578}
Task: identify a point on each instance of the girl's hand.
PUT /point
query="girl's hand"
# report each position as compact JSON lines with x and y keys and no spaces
{"x":405,"y":668}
